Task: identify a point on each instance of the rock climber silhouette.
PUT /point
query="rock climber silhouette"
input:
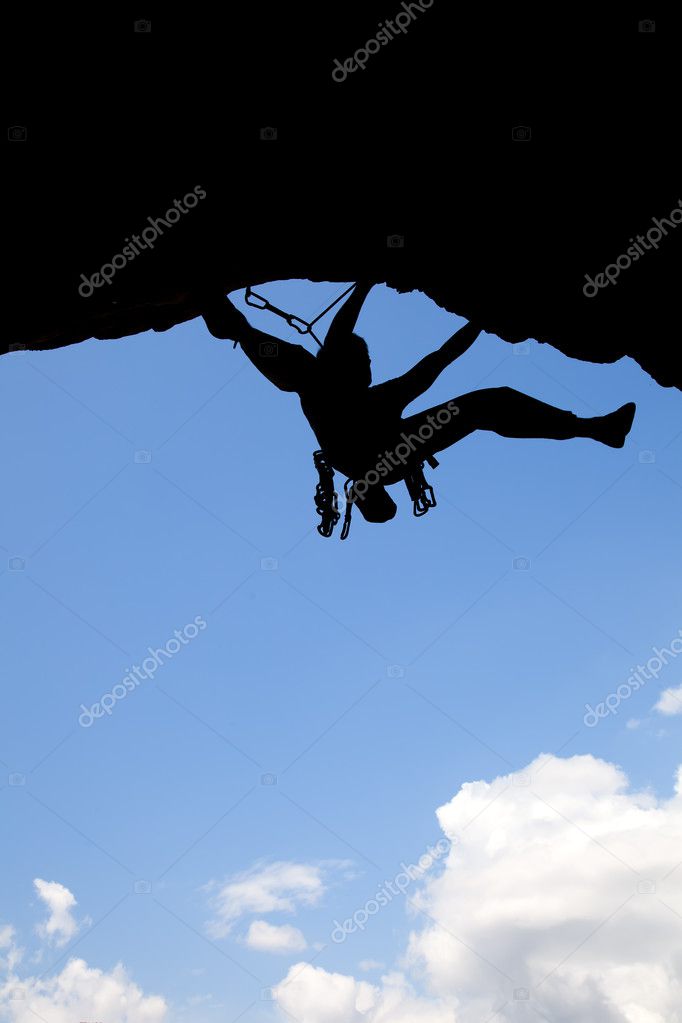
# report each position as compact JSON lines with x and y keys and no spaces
{"x":360,"y":426}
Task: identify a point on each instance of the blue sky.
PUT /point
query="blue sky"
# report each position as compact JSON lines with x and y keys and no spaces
{"x":372,"y":678}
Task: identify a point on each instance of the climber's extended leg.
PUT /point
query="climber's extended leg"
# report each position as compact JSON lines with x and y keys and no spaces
{"x":510,"y":413}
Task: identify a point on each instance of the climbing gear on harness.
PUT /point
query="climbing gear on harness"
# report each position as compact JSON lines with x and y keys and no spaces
{"x":419,"y":490}
{"x":292,"y":319}
{"x":326,"y":498}
{"x":350,"y":500}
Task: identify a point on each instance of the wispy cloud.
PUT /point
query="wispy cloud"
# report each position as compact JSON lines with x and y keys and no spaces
{"x":265,"y":937}
{"x":278,"y":887}
{"x":370,"y":964}
{"x":60,"y":925}
{"x":670,"y":701}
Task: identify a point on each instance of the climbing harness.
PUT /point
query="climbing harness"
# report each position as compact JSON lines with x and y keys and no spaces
{"x":327,"y":499}
{"x":292,"y":320}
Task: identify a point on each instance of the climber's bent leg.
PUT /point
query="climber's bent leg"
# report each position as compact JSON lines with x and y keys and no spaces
{"x":502,"y":410}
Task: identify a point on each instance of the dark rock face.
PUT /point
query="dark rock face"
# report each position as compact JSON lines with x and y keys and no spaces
{"x":497,"y":227}
{"x":514,"y":261}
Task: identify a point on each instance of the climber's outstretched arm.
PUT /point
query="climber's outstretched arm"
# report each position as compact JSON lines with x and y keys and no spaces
{"x":418,"y":379}
{"x":343,"y":323}
{"x":285,"y":365}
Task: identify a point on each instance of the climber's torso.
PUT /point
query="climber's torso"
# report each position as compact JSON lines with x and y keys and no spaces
{"x":356,"y":432}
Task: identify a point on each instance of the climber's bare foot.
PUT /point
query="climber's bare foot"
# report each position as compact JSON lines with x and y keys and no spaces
{"x":614,"y":428}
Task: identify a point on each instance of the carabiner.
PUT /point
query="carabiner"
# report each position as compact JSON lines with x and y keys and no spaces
{"x":248,"y":295}
{"x":426,"y":500}
{"x":290,"y":320}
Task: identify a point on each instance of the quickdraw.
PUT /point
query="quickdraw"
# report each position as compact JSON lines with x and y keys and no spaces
{"x":350,"y":499}
{"x":419,"y":490}
{"x":326,"y":498}
{"x":292,"y":320}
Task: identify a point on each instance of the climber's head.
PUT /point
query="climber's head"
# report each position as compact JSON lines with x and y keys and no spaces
{"x":346,"y":361}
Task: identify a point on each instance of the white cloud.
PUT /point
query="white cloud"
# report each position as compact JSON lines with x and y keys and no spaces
{"x":370,"y":964}
{"x":79,"y":993}
{"x":670,"y":701}
{"x":60,"y":925}
{"x":265,"y":888}
{"x":568,"y":884}
{"x":10,"y":954}
{"x":265,"y":937}
{"x":208,"y":1000}
{"x":310,"y":994}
